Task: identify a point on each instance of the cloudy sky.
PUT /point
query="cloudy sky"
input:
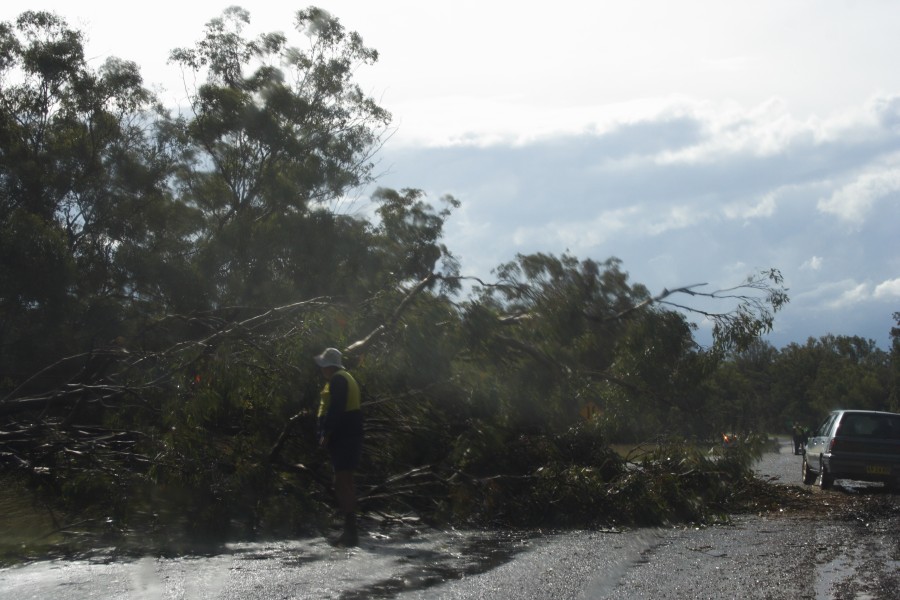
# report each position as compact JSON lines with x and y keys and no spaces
{"x":698,"y":141}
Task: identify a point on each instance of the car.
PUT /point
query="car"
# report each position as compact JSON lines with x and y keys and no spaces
{"x":862,"y":445}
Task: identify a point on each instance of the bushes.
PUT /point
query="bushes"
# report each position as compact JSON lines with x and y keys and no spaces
{"x":576,"y":480}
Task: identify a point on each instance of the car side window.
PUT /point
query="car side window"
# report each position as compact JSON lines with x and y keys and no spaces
{"x":825,"y":427}
{"x":849,"y":426}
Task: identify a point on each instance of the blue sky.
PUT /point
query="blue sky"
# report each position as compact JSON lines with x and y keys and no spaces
{"x":696,"y":140}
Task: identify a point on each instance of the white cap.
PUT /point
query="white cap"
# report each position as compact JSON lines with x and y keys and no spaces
{"x":331,"y":357}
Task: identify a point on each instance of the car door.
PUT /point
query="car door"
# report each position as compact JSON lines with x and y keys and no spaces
{"x":817,"y":443}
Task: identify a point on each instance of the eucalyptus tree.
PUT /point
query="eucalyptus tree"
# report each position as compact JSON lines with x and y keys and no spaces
{"x":853,"y":373}
{"x":87,"y":228}
{"x":275,"y":139}
{"x":569,"y":334}
{"x":809,"y":380}
{"x":741,"y":394}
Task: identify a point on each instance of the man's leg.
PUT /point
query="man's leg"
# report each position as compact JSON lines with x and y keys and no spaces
{"x":345,"y":492}
{"x":346,"y":499}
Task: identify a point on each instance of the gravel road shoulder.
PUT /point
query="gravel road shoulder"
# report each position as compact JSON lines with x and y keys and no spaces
{"x":841,"y":543}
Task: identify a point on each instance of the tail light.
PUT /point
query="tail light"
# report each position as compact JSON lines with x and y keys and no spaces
{"x":832,"y":444}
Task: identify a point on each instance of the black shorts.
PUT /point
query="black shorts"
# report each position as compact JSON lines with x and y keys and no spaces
{"x":345,"y":451}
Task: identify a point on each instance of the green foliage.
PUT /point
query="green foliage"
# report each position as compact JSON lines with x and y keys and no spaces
{"x":409,"y":234}
{"x":575,"y":479}
{"x":83,"y":194}
{"x":277,"y":133}
{"x":33,"y":304}
{"x":760,"y":296}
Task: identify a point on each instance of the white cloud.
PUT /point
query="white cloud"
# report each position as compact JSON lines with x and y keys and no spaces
{"x":850,"y":297}
{"x":812,"y":264}
{"x":675,"y":217}
{"x":576,"y":235}
{"x":853,"y":201}
{"x":858,"y":293}
{"x":888,"y":289}
{"x":764,"y":130}
{"x":832,"y":295}
{"x":765,"y":207}
{"x":887,"y":109}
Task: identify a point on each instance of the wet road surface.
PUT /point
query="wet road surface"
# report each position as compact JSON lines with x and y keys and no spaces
{"x":841,"y":544}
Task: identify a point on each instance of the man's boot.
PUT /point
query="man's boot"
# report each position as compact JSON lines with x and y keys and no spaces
{"x":350,"y":537}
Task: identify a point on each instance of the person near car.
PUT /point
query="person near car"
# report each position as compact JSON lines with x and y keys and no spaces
{"x":798,"y":437}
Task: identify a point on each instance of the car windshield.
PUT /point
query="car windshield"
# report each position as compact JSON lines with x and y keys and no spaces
{"x":870,"y":425}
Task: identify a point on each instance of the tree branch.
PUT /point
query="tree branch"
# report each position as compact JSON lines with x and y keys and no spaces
{"x":362,"y":344}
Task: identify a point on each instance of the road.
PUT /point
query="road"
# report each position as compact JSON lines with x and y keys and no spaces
{"x":841,"y":543}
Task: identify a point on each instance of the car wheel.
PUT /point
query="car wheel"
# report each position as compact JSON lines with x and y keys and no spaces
{"x":826,"y":481}
{"x":809,"y":476}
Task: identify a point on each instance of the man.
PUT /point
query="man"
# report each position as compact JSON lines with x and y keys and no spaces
{"x":341,"y":433}
{"x":798,"y":438}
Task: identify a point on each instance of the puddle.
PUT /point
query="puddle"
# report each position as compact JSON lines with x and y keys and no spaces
{"x":478,"y":554}
{"x":829,"y":574}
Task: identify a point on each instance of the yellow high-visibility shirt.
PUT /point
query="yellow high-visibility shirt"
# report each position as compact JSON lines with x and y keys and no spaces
{"x":354,"y":397}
